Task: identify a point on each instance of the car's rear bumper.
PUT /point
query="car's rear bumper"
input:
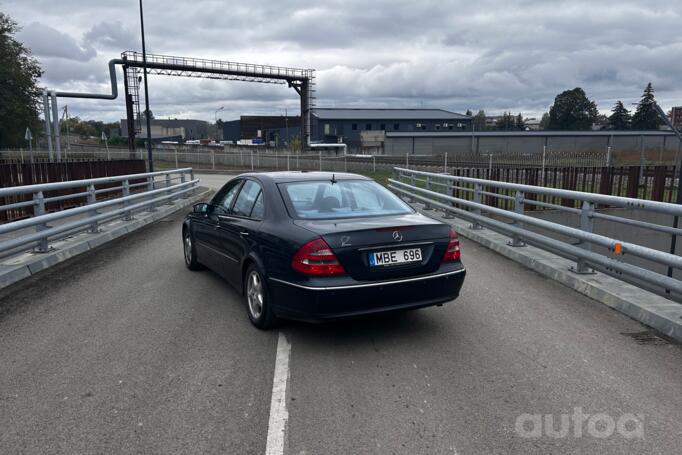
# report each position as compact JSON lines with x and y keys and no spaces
{"x":324,"y":302}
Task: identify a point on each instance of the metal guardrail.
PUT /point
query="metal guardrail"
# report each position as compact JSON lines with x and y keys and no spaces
{"x":439,"y":190}
{"x":136,"y":192}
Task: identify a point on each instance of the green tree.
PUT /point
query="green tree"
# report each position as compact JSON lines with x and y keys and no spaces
{"x":519,"y":123}
{"x":19,"y":92}
{"x":572,"y":110}
{"x":479,"y":121}
{"x":506,"y":123}
{"x":469,"y":113}
{"x":544,"y":121}
{"x":646,"y":116}
{"x":620,"y":119}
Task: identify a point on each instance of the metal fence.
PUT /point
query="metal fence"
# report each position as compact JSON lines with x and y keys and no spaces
{"x":442,"y":191}
{"x":95,"y":201}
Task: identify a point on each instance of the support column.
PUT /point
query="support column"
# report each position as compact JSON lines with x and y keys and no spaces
{"x":55,"y":127}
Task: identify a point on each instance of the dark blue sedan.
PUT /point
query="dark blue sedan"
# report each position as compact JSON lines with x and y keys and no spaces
{"x":315,"y":246}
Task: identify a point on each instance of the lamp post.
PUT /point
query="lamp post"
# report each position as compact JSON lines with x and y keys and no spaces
{"x":150,"y":158}
{"x":215,"y":120}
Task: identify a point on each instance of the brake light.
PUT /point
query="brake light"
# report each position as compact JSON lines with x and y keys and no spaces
{"x":452,"y":253}
{"x":317,"y":258}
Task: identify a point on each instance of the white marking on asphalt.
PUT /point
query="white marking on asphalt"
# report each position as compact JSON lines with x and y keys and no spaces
{"x":279,"y":414}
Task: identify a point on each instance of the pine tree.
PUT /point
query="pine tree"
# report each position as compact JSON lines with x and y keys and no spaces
{"x":469,"y":113}
{"x":646,"y":116}
{"x":479,"y":121}
{"x":620,"y":119}
{"x":544,"y":121}
{"x":520,"y":124}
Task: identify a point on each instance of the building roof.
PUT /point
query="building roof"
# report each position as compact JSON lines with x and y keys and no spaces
{"x":541,"y":133}
{"x":387,"y":114}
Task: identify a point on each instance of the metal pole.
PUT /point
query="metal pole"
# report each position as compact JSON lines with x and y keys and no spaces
{"x":150,"y":157}
{"x":48,"y":128}
{"x":68,"y":131}
{"x":55,"y":123}
{"x":542,"y":176}
{"x":445,"y":165}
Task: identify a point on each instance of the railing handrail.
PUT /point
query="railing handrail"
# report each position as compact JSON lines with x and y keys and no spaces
{"x":35,"y":188}
{"x":617,"y":201}
{"x":419,"y":186}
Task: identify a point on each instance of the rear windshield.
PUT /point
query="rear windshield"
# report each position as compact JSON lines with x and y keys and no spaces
{"x":323,"y":199}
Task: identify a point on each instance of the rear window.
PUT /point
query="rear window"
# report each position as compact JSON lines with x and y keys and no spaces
{"x":342,"y":199}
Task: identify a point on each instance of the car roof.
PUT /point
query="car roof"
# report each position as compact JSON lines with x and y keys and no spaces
{"x":301,"y":176}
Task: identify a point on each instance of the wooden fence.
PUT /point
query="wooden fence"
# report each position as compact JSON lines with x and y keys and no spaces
{"x":17,"y":174}
{"x":654,"y":183}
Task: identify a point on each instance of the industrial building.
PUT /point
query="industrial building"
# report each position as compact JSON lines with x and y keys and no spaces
{"x":260,"y":126}
{"x":517,"y":142}
{"x":355,"y":127}
{"x":183,"y":129}
{"x":347,"y":125}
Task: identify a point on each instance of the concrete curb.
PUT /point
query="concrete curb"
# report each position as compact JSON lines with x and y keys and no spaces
{"x":22,"y":266}
{"x":641,"y":305}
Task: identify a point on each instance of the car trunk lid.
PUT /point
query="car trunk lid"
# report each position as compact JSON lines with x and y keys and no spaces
{"x":355,"y":240}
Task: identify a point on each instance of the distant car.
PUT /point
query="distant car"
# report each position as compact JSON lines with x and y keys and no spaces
{"x":315,"y":246}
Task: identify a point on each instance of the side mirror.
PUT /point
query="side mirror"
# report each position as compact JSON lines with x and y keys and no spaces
{"x":201,"y":207}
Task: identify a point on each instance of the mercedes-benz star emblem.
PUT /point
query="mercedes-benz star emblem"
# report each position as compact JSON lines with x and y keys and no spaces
{"x":397,"y":236}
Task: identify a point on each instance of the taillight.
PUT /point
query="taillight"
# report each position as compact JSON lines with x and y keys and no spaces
{"x":452,"y":253}
{"x":317,"y":258}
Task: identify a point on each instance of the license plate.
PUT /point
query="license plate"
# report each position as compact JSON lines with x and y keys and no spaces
{"x":380,"y":258}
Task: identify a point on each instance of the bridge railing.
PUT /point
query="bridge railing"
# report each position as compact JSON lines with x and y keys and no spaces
{"x":477,"y":201}
{"x":95,"y":201}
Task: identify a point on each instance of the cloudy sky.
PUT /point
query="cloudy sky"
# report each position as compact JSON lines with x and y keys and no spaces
{"x":495,"y":55}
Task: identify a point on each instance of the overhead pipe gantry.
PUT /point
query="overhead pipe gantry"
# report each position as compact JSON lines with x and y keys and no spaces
{"x":301,"y":80}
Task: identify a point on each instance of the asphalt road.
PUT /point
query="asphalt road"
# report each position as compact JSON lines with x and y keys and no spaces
{"x":126,"y":351}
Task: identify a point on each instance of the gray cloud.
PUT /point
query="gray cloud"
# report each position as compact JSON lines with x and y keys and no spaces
{"x":112,"y":35}
{"x":46,"y":41}
{"x":491,"y":54}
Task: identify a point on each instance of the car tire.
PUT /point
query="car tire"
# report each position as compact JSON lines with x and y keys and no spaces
{"x":190,"y":250}
{"x":257,"y":299}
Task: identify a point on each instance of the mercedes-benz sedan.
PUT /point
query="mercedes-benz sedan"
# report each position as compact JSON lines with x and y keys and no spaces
{"x":315,"y":246}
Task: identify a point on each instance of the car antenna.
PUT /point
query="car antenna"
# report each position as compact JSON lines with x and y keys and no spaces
{"x":333,"y":179}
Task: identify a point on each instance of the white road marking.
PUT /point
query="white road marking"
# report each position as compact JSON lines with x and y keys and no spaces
{"x":279,"y":414}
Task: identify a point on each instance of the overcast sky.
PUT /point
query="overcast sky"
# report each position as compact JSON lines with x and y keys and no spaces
{"x":495,"y":55}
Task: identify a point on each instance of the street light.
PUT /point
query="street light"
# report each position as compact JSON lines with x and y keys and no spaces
{"x":146,"y":95}
{"x":215,"y":120}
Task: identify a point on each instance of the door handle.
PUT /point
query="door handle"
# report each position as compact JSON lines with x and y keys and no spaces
{"x":243,"y":233}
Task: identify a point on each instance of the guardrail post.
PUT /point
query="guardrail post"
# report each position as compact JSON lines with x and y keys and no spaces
{"x":586,"y":224}
{"x":477,"y":199}
{"x":450,"y":191}
{"x":128,"y":215}
{"x":427,"y":206}
{"x":150,"y":187}
{"x":169,"y":201}
{"x":39,"y":209}
{"x":518,"y":208}
{"x":92,"y":199}
{"x":412,"y":183}
{"x":183,"y":180}
{"x":212,"y":159}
